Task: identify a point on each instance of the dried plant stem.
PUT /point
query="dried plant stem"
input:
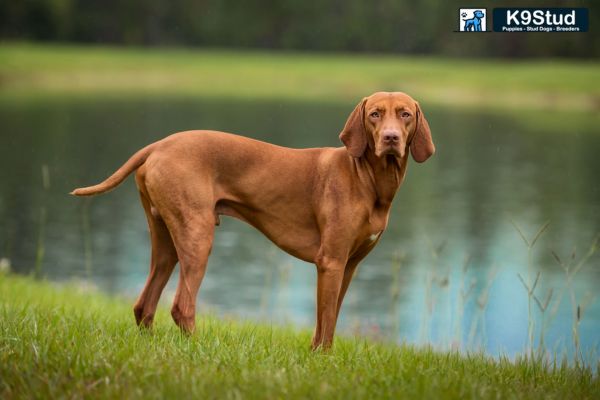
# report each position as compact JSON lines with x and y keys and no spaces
{"x":41,"y":248}
{"x":429,"y":305}
{"x":482,"y":302}
{"x":463,"y":296}
{"x":530,"y":285}
{"x":267,"y":286}
{"x":577,"y":308}
{"x":87,"y":236}
{"x":431,"y":278}
{"x":282,"y":296}
{"x":530,"y":317}
{"x":397,"y":262}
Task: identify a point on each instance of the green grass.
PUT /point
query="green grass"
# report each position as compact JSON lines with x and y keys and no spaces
{"x":63,"y":343}
{"x":32,"y":70}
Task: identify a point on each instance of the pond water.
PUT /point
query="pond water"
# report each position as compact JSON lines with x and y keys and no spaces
{"x":490,"y":168}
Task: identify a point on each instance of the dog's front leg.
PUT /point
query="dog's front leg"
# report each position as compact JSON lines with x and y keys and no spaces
{"x":330,"y":272}
{"x":348,"y":274}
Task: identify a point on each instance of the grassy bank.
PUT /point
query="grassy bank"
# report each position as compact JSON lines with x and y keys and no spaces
{"x":60,"y":342}
{"x":34,"y":70}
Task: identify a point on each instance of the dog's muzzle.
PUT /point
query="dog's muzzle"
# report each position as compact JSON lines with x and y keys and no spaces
{"x":390,"y":143}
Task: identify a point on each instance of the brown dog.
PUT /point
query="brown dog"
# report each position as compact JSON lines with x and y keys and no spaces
{"x":328,"y":206}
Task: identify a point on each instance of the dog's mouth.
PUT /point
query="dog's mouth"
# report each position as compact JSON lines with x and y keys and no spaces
{"x":389,"y":150}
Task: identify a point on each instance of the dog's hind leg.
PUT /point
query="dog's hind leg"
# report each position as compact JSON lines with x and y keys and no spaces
{"x":163,"y":260}
{"x":193,"y":236}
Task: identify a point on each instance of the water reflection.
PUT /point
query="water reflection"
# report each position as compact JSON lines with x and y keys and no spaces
{"x":490,"y":167}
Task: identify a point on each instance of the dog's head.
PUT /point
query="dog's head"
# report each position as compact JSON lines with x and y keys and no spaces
{"x":388,"y":124}
{"x":478,"y":14}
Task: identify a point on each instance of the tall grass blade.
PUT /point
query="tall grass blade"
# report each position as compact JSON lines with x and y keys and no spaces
{"x":41,"y":248}
{"x":543,"y":306}
{"x":514,"y":224}
{"x":539,"y":233}
{"x":557,"y":258}
{"x":535,"y":282}
{"x":523,"y":282}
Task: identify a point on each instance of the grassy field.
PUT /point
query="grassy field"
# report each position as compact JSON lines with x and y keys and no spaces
{"x":33,"y":70}
{"x":61,"y":342}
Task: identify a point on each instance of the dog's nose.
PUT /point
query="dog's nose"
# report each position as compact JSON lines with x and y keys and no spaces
{"x":391,"y":136}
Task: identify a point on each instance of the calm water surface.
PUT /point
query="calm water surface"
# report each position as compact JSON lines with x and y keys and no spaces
{"x":414,"y":287}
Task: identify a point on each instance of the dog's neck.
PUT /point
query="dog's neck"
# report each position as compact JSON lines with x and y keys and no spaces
{"x":385,"y":175}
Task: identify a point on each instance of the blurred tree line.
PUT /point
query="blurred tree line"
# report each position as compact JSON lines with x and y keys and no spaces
{"x":399,"y":26}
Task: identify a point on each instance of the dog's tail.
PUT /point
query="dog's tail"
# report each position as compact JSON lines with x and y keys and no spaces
{"x":115,"y":179}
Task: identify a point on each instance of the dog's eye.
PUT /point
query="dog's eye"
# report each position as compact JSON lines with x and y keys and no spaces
{"x":405,"y":114}
{"x":374,"y":114}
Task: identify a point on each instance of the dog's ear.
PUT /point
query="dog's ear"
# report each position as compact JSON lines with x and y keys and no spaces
{"x":421,"y":146}
{"x":354,"y":134}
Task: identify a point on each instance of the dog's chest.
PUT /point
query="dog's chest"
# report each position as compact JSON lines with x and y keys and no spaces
{"x":371,"y":226}
{"x":366,"y":242}
{"x":374,"y":236}
{"x":374,"y":229}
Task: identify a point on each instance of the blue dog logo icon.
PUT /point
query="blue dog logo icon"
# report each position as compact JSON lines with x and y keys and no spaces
{"x":476,"y":22}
